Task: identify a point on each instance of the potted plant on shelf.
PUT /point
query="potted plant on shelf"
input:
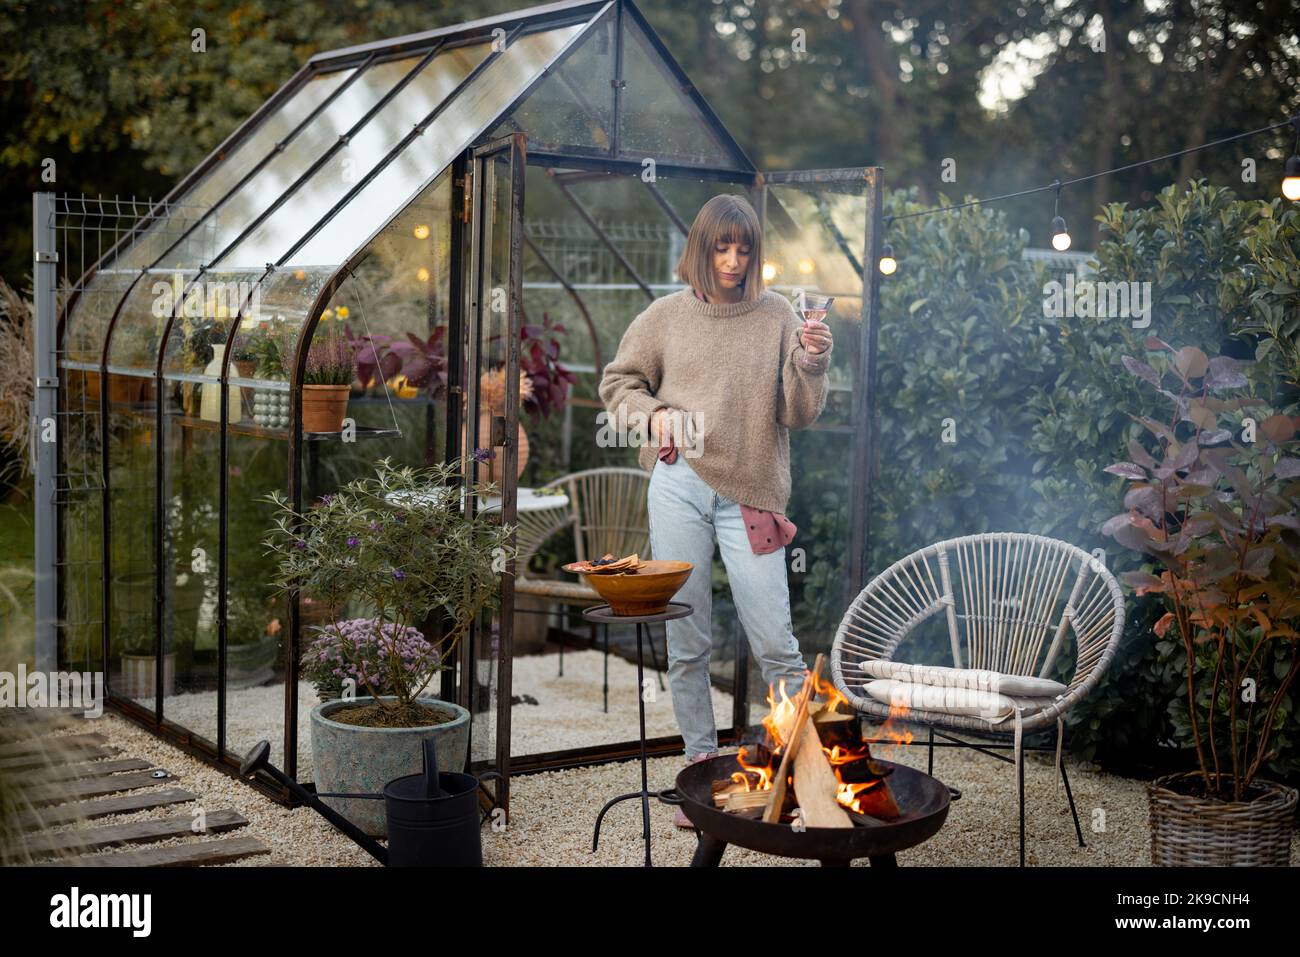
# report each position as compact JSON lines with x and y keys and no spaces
{"x":400,"y":543}
{"x":327,"y":379}
{"x":1215,"y":507}
{"x":267,"y":346}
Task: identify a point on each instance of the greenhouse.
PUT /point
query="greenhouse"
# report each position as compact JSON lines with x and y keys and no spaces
{"x":441,"y":201}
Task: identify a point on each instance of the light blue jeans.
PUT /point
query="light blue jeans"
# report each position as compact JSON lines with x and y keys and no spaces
{"x":686,"y":518}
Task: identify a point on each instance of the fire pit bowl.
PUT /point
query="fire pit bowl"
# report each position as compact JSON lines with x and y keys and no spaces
{"x":923,"y":801}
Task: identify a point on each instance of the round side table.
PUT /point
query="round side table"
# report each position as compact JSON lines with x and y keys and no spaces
{"x":605,"y":615}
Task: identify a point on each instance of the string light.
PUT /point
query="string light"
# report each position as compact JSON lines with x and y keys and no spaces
{"x":1290,"y":182}
{"x":888,"y":264}
{"x":422,"y":231}
{"x":1060,"y":235}
{"x":1291,"y":172}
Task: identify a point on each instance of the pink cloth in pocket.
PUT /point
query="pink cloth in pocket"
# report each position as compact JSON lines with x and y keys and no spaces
{"x":768,"y":531}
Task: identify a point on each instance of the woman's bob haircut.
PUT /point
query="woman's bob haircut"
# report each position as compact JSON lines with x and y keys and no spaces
{"x":723,"y":219}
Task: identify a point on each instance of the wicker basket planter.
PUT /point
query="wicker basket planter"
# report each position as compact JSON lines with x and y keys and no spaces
{"x":1192,"y":831}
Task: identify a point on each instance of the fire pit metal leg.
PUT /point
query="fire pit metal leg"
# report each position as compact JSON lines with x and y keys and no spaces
{"x":883,"y":860}
{"x":708,"y":853}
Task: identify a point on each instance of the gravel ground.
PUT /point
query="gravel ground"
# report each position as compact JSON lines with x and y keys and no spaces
{"x":553,"y":814}
{"x":569,"y":711}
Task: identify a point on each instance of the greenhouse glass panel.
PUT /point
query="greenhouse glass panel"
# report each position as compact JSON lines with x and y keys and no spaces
{"x":277,"y":178}
{"x":464,"y":118}
{"x":573,"y":108}
{"x":257,"y":621}
{"x":137,"y":335}
{"x":815,"y":236}
{"x":191,"y":546}
{"x":312,"y":201}
{"x":659,"y":120}
{"x":132,"y":611}
{"x":269,"y":326}
{"x":225,"y":175}
{"x":87,"y":323}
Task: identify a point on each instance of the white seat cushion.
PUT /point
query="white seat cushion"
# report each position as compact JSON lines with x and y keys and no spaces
{"x":971,"y":678}
{"x":989,"y":705}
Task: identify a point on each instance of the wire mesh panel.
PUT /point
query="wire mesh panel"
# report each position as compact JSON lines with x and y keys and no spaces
{"x":100,"y":414}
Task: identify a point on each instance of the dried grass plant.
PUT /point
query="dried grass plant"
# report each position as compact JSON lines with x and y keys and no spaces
{"x":17,"y":374}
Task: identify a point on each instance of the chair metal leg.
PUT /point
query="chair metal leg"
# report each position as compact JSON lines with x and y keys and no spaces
{"x":1073,"y":810}
{"x":930,"y":761}
{"x":1020,"y":774}
{"x":605,"y":687}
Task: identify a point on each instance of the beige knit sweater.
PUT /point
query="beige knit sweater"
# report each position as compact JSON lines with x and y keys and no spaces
{"x":741,"y":373}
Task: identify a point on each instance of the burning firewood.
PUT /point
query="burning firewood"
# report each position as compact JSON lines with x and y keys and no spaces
{"x":815,"y":785}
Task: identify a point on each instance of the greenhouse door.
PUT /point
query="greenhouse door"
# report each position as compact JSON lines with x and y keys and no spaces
{"x":492,"y":302}
{"x":822,"y":234}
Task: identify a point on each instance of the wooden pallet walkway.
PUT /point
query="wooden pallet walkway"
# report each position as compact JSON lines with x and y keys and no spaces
{"x":72,"y":779}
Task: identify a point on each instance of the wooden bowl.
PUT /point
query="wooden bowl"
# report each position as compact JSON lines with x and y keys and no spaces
{"x":645,"y":591}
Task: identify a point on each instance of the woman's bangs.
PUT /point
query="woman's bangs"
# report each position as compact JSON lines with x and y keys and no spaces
{"x":733,"y":227}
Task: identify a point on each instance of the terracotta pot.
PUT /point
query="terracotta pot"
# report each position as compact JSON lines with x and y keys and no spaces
{"x":324,"y":407}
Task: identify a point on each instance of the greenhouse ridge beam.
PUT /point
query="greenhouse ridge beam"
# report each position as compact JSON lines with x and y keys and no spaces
{"x":550,"y":15}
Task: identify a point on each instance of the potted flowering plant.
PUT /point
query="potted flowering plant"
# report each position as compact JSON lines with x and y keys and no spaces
{"x":400,"y":543}
{"x":327,"y":379}
{"x":1215,"y":507}
{"x":357,"y":650}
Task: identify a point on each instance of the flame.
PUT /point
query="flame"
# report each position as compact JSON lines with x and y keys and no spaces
{"x":754,"y":776}
{"x":763,"y":772}
{"x":847,"y":794}
{"x":898,"y":737}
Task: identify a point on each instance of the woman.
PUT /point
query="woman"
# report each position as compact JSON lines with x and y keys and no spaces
{"x":721,"y":371}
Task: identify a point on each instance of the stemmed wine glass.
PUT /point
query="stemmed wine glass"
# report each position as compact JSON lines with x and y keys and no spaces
{"x":813,"y":307}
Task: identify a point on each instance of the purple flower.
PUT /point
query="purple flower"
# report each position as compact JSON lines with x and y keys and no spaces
{"x":484,"y":455}
{"x":398,"y":574}
{"x":300,"y":545}
{"x":374,"y":526}
{"x":326,"y":499}
{"x":353,"y":541}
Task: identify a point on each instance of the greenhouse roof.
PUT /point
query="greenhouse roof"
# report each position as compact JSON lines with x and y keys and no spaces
{"x":358,"y":133}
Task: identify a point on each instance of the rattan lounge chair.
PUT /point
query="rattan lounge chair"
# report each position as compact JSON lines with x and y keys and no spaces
{"x":1010,"y":603}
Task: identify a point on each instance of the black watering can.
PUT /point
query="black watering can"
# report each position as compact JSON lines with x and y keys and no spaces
{"x":433,"y":817}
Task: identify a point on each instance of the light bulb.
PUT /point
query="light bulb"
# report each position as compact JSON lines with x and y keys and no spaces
{"x":422,"y":231}
{"x":1060,"y":238}
{"x":806,"y":266}
{"x":1291,"y":179}
{"x":422,"y":274}
{"x":888,"y":264}
{"x":769,"y":271}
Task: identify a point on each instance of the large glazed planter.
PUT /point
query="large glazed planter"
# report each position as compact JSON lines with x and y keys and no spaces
{"x":358,"y":760}
{"x":1192,"y":831}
